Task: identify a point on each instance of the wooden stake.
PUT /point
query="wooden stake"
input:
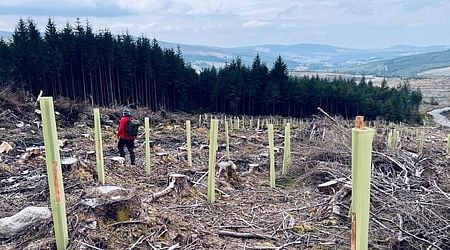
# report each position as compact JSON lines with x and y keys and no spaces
{"x":353,"y":236}
{"x":359,"y":122}
{"x":54,"y":173}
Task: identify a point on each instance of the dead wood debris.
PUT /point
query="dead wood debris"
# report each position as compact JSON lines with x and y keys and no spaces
{"x":410,"y":193}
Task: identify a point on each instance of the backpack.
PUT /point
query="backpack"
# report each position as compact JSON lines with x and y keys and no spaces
{"x":132,"y":127}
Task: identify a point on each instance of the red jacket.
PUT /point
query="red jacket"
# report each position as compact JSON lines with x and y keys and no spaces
{"x":121,"y":130}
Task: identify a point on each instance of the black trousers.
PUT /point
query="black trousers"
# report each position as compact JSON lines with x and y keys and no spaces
{"x":130,"y":146}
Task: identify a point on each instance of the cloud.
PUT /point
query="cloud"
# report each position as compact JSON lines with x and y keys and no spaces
{"x":236,"y":22}
{"x":254,"y":24}
{"x":414,"y":25}
{"x":69,"y":8}
{"x":143,"y":6}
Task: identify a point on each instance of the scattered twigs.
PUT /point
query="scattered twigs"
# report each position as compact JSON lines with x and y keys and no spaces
{"x":139,"y":241}
{"x":87,"y":245}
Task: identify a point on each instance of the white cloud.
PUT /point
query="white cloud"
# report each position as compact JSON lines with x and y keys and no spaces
{"x":236,"y":22}
{"x":41,"y":3}
{"x":141,"y":6}
{"x":254,"y":24}
{"x":414,"y":25}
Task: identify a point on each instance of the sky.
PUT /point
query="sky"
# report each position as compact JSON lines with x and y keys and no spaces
{"x":233,"y":23}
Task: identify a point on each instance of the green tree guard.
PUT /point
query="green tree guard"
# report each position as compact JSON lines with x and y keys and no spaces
{"x":227,"y":141}
{"x":448,"y":146}
{"x":422,"y":141}
{"x":271,"y":155}
{"x":361,"y":174}
{"x":99,"y":147}
{"x":54,"y":173}
{"x":147,"y":145}
{"x":391,"y":137}
{"x":212,"y":161}
{"x":188,"y":142}
{"x":287,"y":148}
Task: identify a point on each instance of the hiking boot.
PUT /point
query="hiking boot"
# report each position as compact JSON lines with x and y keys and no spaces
{"x":133,"y":160}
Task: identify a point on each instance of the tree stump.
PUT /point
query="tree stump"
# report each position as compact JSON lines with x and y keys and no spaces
{"x":229,"y":170}
{"x":252,"y":167}
{"x":112,"y":202}
{"x":68,"y":164}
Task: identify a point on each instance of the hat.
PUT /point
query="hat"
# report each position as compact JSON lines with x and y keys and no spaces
{"x":126,"y":111}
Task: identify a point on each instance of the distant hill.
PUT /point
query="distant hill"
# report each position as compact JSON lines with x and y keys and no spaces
{"x":5,"y":34}
{"x":311,"y":57}
{"x":426,"y":64}
{"x":308,"y":57}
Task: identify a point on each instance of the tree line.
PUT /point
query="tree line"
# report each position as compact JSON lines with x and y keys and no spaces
{"x":105,"y":69}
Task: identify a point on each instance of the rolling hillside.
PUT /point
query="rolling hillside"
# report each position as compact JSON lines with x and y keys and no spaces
{"x":311,"y":57}
{"x":406,"y":66}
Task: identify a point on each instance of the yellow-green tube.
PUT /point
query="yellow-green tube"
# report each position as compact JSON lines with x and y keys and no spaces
{"x":212,"y":161}
{"x":188,"y":142}
{"x":361,"y":178}
{"x":99,"y":147}
{"x":271,"y":155}
{"x":227,"y":141}
{"x":54,"y":173}
{"x":147,"y":145}
{"x":287,"y":148}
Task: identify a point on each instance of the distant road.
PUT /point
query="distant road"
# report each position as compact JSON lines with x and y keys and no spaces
{"x":439,"y":118}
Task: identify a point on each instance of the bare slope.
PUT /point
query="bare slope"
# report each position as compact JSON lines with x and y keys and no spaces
{"x":409,"y":193}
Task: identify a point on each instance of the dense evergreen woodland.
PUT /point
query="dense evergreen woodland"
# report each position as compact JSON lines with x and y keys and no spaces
{"x":106,"y":69}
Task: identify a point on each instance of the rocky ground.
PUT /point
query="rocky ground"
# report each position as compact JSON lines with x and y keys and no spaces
{"x":410,"y":192}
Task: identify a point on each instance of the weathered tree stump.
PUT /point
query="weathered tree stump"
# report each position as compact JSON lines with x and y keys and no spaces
{"x":252,"y":167}
{"x":228,"y":168}
{"x":113,"y":202}
{"x":68,"y":164}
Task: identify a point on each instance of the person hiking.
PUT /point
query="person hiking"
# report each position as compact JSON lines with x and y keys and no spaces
{"x":125,"y":136}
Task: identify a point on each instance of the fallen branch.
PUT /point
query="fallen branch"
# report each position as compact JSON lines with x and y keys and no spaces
{"x":174,"y":181}
{"x":245,"y":235}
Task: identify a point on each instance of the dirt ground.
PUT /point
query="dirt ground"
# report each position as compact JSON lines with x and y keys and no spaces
{"x":410,"y":192}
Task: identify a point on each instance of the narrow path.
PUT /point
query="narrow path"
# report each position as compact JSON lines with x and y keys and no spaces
{"x":439,"y":118}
